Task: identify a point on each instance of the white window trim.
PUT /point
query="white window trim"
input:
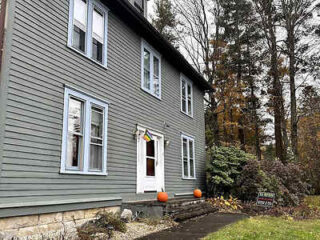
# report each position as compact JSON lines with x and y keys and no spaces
{"x":88,"y":47}
{"x":188,"y":82}
{"x":153,"y":53}
{"x":88,"y":101}
{"x":189,"y":138}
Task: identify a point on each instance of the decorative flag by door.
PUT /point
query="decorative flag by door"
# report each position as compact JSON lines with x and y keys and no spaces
{"x":147,"y":136}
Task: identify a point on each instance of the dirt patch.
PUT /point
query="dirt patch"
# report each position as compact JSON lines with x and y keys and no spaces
{"x":140,"y":229}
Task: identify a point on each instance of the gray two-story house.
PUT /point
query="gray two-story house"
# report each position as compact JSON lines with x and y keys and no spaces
{"x":96,"y":108}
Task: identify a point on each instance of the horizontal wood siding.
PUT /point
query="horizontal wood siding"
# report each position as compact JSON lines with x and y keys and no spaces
{"x":41,"y":64}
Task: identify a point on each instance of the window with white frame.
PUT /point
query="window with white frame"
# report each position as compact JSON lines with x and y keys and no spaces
{"x":84,"y":142}
{"x":188,"y":161}
{"x":88,"y":29}
{"x":186,"y":96}
{"x":151,"y":70}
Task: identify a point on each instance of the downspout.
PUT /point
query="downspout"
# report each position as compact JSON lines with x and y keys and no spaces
{"x":2,"y":28}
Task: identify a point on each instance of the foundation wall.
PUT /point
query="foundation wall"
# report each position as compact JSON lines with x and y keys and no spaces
{"x":61,"y":225}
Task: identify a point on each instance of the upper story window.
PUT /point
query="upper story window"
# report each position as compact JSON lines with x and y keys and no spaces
{"x":151,"y":70}
{"x":188,"y":161}
{"x":139,"y":4}
{"x":186,"y":96}
{"x":84,"y":142}
{"x":88,"y":29}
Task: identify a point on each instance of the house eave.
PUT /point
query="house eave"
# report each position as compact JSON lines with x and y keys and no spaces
{"x":128,"y":14}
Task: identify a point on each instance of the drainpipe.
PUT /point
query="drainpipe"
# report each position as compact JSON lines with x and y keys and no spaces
{"x":2,"y":28}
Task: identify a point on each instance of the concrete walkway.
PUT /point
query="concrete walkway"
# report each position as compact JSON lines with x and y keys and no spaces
{"x":196,"y":228}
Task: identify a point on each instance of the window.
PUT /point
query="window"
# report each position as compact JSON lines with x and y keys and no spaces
{"x":188,"y":161}
{"x":150,"y":158}
{"x":139,"y":4}
{"x":151,"y":71}
{"x":84,"y":139}
{"x":88,"y":29}
{"x":186,"y":96}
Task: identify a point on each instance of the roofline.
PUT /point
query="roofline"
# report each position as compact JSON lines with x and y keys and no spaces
{"x":142,"y":27}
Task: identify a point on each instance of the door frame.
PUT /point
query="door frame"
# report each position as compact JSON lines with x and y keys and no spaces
{"x":159,"y":169}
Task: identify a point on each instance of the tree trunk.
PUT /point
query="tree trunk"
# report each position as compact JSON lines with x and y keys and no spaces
{"x":293,"y":106}
{"x":241,"y":134}
{"x":277,"y":92}
{"x":284,"y":129}
{"x":215,"y":122}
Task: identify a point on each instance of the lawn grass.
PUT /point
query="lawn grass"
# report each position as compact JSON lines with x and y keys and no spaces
{"x":269,"y":228}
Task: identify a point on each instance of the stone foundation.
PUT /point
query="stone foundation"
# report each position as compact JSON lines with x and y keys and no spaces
{"x":62,"y":225}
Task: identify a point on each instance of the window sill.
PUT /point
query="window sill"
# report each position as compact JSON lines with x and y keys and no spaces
{"x":153,"y":95}
{"x":190,"y":116}
{"x":83,"y":173}
{"x":185,"y":178}
{"x":84,"y":55}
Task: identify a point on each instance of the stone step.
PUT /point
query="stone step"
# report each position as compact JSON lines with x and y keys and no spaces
{"x":190,"y":211}
{"x":184,"y":204}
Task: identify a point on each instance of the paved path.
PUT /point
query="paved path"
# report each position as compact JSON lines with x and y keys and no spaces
{"x":196,"y":228}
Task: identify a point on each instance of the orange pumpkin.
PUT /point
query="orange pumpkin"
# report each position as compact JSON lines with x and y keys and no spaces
{"x":197,"y":193}
{"x":162,"y":197}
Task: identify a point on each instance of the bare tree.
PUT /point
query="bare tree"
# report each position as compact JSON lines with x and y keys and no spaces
{"x":200,"y":42}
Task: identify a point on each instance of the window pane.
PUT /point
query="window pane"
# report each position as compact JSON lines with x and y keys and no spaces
{"x":150,"y":167}
{"x":75,"y":116}
{"x":156,"y":73}
{"x":183,"y":96}
{"x":98,"y":26}
{"x":146,"y":69}
{"x":150,"y":149}
{"x":95,"y":157}
{"x":185,"y":168}
{"x":156,"y":66}
{"x":156,"y":87}
{"x":80,"y":14}
{"x":146,"y":79}
{"x":191,"y":149}
{"x":189,"y":100}
{"x":191,"y":168}
{"x":97,"y":49}
{"x":79,"y":39}
{"x":185,"y":148}
{"x":74,"y":151}
{"x":96,"y":122}
{"x":96,"y":145}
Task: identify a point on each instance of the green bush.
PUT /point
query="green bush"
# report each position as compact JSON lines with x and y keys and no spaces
{"x":231,"y":171}
{"x":224,"y":165}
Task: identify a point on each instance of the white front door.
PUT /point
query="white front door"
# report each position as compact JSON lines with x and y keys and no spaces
{"x":150,"y":163}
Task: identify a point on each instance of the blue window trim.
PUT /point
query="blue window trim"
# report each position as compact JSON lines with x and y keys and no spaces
{"x":153,"y":53}
{"x":88,"y":101}
{"x":88,"y":48}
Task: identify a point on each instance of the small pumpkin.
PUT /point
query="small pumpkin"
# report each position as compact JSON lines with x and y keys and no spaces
{"x":162,"y":197}
{"x":197,"y":193}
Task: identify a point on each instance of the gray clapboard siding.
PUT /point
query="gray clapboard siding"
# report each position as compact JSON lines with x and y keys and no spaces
{"x":41,"y":65}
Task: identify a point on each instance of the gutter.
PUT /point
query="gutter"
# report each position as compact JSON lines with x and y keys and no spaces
{"x":2,"y":29}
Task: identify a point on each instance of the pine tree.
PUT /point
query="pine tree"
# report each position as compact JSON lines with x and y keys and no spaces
{"x":164,"y":20}
{"x":242,"y":36}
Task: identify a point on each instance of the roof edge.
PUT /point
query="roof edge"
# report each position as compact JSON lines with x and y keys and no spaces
{"x":141,"y":25}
